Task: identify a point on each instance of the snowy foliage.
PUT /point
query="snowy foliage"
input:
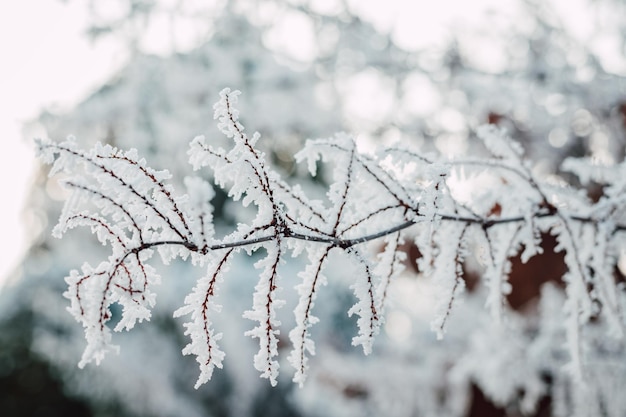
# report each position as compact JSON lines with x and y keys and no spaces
{"x":374,"y":204}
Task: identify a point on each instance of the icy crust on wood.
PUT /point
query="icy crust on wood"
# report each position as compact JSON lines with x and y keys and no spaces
{"x":373,"y":205}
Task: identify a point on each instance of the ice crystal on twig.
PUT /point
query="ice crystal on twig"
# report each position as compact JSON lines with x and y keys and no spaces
{"x":373,"y":205}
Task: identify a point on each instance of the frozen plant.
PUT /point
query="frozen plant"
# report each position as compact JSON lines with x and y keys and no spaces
{"x":374,"y":203}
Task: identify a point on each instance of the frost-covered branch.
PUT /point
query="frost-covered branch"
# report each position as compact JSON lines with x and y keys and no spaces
{"x":385,"y":198}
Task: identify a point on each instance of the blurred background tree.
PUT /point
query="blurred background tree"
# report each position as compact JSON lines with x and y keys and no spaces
{"x":552,"y":76}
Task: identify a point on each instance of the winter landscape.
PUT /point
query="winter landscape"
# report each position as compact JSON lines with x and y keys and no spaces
{"x":325,"y":208}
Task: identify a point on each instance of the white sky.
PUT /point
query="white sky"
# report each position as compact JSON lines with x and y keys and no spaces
{"x":45,"y":62}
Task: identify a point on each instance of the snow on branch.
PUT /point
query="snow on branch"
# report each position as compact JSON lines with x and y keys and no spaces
{"x":374,"y":203}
